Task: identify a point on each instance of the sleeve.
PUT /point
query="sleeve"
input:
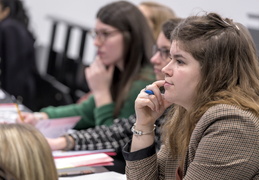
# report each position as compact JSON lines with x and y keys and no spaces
{"x":105,"y":137}
{"x":103,"y":115}
{"x":92,"y":116}
{"x":141,"y":164}
{"x":228,"y":148}
{"x":85,"y":110}
{"x":110,"y":137}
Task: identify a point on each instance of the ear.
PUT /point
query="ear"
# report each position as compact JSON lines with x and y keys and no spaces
{"x":6,"y":12}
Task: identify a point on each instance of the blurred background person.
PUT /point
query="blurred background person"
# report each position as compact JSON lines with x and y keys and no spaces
{"x":18,"y":69}
{"x":156,"y":15}
{"x":116,"y":136}
{"x":25,"y":153}
{"x":121,"y":69}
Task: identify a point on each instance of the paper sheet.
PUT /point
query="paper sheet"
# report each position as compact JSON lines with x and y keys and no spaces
{"x":57,"y":154}
{"x":53,"y":128}
{"x":84,"y":160}
{"x":98,"y":176}
{"x":8,"y":112}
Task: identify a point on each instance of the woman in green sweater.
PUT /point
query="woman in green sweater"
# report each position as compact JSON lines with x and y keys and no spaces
{"x":121,"y":69}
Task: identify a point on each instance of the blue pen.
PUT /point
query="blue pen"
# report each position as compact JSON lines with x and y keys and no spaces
{"x":150,"y":92}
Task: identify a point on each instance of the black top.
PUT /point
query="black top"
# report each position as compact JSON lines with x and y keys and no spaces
{"x":17,"y":61}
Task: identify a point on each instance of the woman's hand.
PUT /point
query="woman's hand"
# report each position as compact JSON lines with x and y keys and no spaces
{"x":60,"y":143}
{"x":31,"y":118}
{"x":99,"y":79}
{"x":57,"y":143}
{"x":98,"y":76}
{"x":150,"y":107}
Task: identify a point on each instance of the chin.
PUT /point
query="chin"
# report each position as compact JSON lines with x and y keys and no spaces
{"x":168,"y":96}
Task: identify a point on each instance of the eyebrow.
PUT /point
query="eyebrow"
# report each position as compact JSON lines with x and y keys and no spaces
{"x":178,"y":56}
{"x":165,"y":47}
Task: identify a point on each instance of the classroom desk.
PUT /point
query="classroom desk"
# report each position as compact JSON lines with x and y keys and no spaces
{"x":7,"y":98}
{"x":118,"y":160}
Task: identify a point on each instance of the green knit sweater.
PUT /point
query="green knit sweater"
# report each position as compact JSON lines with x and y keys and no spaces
{"x":93,"y":116}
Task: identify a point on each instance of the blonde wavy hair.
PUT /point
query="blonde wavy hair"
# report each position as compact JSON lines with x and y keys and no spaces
{"x":158,"y":14}
{"x":25,"y":153}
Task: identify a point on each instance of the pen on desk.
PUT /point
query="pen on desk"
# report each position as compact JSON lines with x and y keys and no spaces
{"x":17,"y":107}
{"x":18,"y":111}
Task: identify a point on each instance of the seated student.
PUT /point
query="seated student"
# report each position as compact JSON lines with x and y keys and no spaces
{"x":212,"y":131}
{"x":115,"y":136}
{"x":18,"y":69}
{"x":25,"y":153}
{"x":156,"y":15}
{"x":120,"y":70}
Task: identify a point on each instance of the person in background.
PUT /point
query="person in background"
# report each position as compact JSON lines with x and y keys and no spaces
{"x":120,"y":70}
{"x":17,"y":54}
{"x":116,"y":135}
{"x":213,"y":128}
{"x":156,"y":15}
{"x":25,"y":153}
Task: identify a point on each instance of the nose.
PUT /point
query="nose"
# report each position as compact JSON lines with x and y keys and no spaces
{"x":97,"y":42}
{"x":156,"y":58}
{"x":168,"y":69}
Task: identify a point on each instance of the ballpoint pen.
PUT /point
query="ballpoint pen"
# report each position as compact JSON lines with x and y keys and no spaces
{"x":150,"y":92}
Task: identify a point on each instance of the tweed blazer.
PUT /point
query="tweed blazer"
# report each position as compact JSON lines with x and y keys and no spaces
{"x":224,"y":146}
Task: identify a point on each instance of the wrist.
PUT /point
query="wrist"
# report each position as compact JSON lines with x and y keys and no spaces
{"x":68,"y":142}
{"x":143,"y":130}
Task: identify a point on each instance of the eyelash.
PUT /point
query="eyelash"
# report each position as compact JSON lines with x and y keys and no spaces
{"x":179,"y":61}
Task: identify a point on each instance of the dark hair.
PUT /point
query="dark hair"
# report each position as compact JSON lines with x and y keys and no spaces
{"x":169,"y":26}
{"x":138,"y":41}
{"x":17,"y":10}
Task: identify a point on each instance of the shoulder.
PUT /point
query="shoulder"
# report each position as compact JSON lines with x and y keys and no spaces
{"x":224,"y":115}
{"x":13,"y":27}
{"x":10,"y":24}
{"x":228,"y":110}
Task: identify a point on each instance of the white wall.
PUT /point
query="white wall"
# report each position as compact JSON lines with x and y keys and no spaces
{"x":83,"y":11}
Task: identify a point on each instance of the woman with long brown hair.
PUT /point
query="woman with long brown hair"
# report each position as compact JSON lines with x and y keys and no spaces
{"x":212,"y":131}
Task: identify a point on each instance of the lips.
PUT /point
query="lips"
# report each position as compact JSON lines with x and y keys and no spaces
{"x":99,"y":53}
{"x":168,"y":83}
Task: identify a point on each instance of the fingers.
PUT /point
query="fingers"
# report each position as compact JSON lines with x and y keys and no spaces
{"x":155,"y":88}
{"x":27,"y":118}
{"x":144,"y":101}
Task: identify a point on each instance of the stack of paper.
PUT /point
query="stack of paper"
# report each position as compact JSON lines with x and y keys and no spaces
{"x":8,"y":113}
{"x":98,"y":176}
{"x":97,"y":159}
{"x":64,"y":154}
